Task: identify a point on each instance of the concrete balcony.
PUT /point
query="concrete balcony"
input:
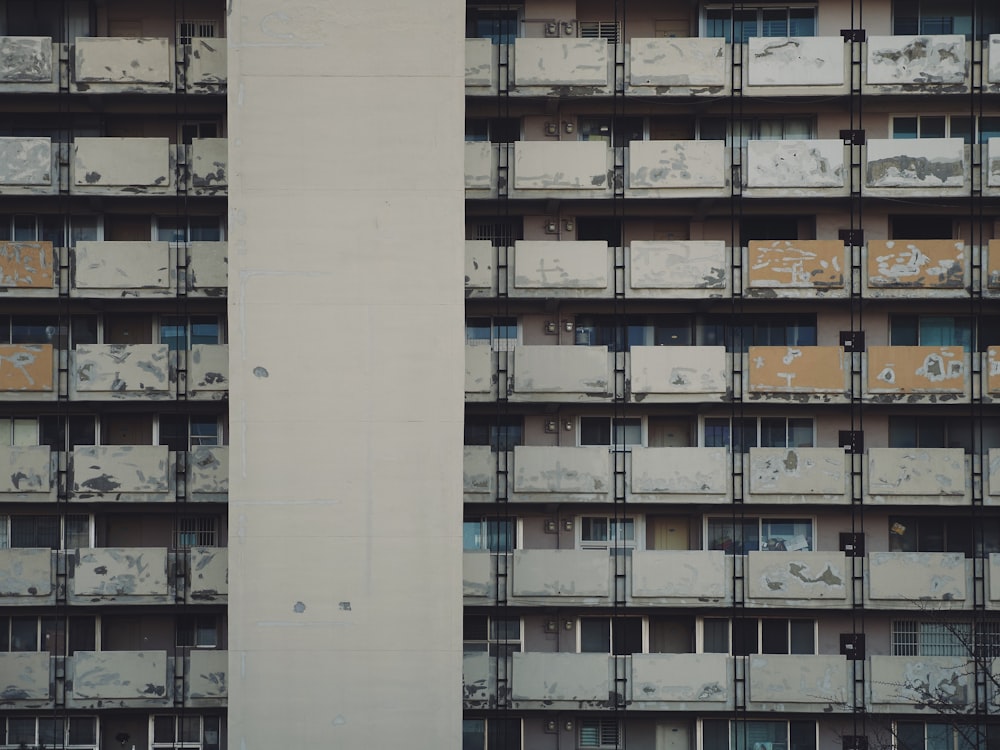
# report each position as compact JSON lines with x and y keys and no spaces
{"x":29,"y":64}
{"x":676,"y":169}
{"x":562,"y":681}
{"x":800,"y":682}
{"x":812,"y":373}
{"x":565,"y":575}
{"x":123,"y":166}
{"x":122,"y":473}
{"x":479,"y":578}
{"x":207,"y":367}
{"x":559,"y":373}
{"x":680,"y":577}
{"x":796,"y":269}
{"x":481,"y":373}
{"x":681,"y":682}
{"x":207,"y":575}
{"x":557,"y":269}
{"x":111,"y":372}
{"x":111,"y":65}
{"x":678,"y":67}
{"x":116,"y":269}
{"x":571,"y":169}
{"x":208,"y":269}
{"x":481,"y":261}
{"x":678,"y":475}
{"x":208,"y":166}
{"x":26,"y":679}
{"x":937,"y":580}
{"x":28,"y":269}
{"x":681,"y":269}
{"x":918,"y":476}
{"x":796,"y":168}
{"x":28,"y":473}
{"x":137,"y":575}
{"x":27,"y":577}
{"x":802,"y":577}
{"x":206,"y":677}
{"x":561,"y":474}
{"x":992,"y":176}
{"x":207,"y":474}
{"x":479,"y":683}
{"x":481,"y":67}
{"x":28,"y":166}
{"x":560,"y":66}
{"x":479,"y":473}
{"x":924,"y":63}
{"x":678,"y":373}
{"x":928,"y":268}
{"x":917,"y":373}
{"x":924,"y":167}
{"x":481,"y":168}
{"x":992,"y":471}
{"x":942,"y":684}
{"x":798,"y":476}
{"x":993,"y":63}
{"x":789,"y":66}
{"x":126,"y":678}
{"x":205,"y":70}
{"x":27,"y":372}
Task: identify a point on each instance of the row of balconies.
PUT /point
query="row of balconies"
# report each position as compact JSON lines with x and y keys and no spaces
{"x":113,"y":575}
{"x":114,"y":269}
{"x":36,"y":165}
{"x":793,"y":476}
{"x":110,"y":65}
{"x":945,"y":686}
{"x":888,"y":167}
{"x":798,"y":66}
{"x":711,"y":578}
{"x":114,"y":473}
{"x":114,"y":679}
{"x":684,"y":269}
{"x":111,"y":372}
{"x":677,"y":374}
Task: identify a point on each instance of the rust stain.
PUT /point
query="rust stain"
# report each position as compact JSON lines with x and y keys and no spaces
{"x":916,"y":369}
{"x":25,"y":367}
{"x":26,"y":265}
{"x":922,"y":264}
{"x":797,"y":264}
{"x":797,"y":369}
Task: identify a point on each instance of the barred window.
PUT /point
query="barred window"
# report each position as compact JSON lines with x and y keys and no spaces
{"x":197,"y":531}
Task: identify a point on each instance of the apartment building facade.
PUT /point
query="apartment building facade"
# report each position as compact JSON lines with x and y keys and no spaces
{"x":731,"y":438}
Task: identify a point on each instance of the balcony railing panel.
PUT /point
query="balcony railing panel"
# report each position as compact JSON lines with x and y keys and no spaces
{"x":701,"y":680}
{"x":27,"y":165}
{"x":112,"y":64}
{"x":908,"y":370}
{"x":795,"y":164}
{"x":915,"y":163}
{"x":685,"y":474}
{"x":800,"y":678}
{"x":917,"y":264}
{"x":542,"y":267}
{"x":678,"y":370}
{"x":480,"y":264}
{"x":917,"y":577}
{"x":993,"y":476}
{"x":993,"y":156}
{"x":577,"y":372}
{"x":679,"y":574}
{"x":131,"y":473}
{"x":479,"y":158}
{"x":25,"y":573}
{"x":656,"y":267}
{"x":478,"y":677}
{"x":994,"y":578}
{"x":806,"y":474}
{"x":795,"y":61}
{"x":27,"y":368}
{"x":993,"y":262}
{"x":480,"y":375}
{"x":109,"y":166}
{"x":582,"y":473}
{"x":908,"y":473}
{"x":208,"y":574}
{"x":27,"y":265}
{"x":477,"y":575}
{"x":796,"y":264}
{"x":797,"y":369}
{"x":206,"y":675}
{"x":208,"y":269}
{"x":110,"y":269}
{"x":576,"y":678}
{"x":206,"y":71}
{"x":562,"y":165}
{"x":207,"y":371}
{"x":944,"y":685}
{"x":654,"y":165}
{"x":917,"y":60}
{"x":993,"y":69}
{"x":27,"y":473}
{"x":479,"y":472}
{"x":208,"y":162}
{"x":118,"y":676}
{"x":798,"y":574}
{"x":112,"y":371}
{"x":112,"y":573}
{"x":479,"y":62}
{"x":679,"y":63}
{"x":26,"y":62}
{"x":560,"y":62}
{"x":208,"y":473}
{"x":561,"y":573}
{"x":25,"y":679}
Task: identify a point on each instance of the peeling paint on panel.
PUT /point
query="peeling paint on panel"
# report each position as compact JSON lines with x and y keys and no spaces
{"x":26,"y":367}
{"x":106,"y":471}
{"x":678,"y":369}
{"x":797,"y":471}
{"x":479,"y":256}
{"x":916,"y":59}
{"x":479,"y":165}
{"x":123,"y":61}
{"x":917,"y":576}
{"x":26,"y":265}
{"x":679,"y":264}
{"x":801,"y":369}
{"x":993,"y":71}
{"x":940,"y":683}
{"x":477,"y":580}
{"x":680,"y":677}
{"x":797,"y":575}
{"x":477,"y":669}
{"x":560,"y":265}
{"x":208,"y":470}
{"x":207,"y":674}
{"x":681,"y":62}
{"x":561,"y":469}
{"x":208,"y":368}
{"x":579,"y":165}
{"x":796,"y":61}
{"x":560,"y":677}
{"x":927,"y":264}
{"x":917,"y":163}
{"x":479,"y":370}
{"x":561,"y":573}
{"x":208,"y":574}
{"x":122,"y":265}
{"x":799,"y":678}
{"x":479,"y":469}
{"x":560,"y":62}
{"x":679,"y":574}
{"x":25,"y":161}
{"x":24,"y":676}
{"x":804,"y":264}
{"x":789,"y":164}
{"x":208,"y":162}
{"x":676,"y":164}
{"x":25,"y":59}
{"x":916,"y":471}
{"x":121,"y":162}
{"x":206,"y":66}
{"x":119,"y":675}
{"x":25,"y":469}
{"x":122,"y":368}
{"x":679,"y":470}
{"x":25,"y":572}
{"x":208,"y":267}
{"x":479,"y":62}
{"x":561,"y":369}
{"x":917,"y":369}
{"x":120,"y":572}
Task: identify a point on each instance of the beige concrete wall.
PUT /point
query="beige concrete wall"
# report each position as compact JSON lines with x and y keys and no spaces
{"x":345,"y":151}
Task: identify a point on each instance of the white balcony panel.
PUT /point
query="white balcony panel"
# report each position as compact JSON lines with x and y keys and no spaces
{"x":993,"y":71}
{"x":121,"y":573}
{"x":207,"y":674}
{"x":479,"y":264}
{"x":678,"y":62}
{"x":121,"y":162}
{"x":25,"y":162}
{"x":25,"y":573}
{"x":561,"y":165}
{"x":26,"y":470}
{"x":797,"y":471}
{"x":116,"y":370}
{"x":561,"y":573}
{"x":208,"y":473}
{"x":561,"y":370}
{"x":679,"y":574}
{"x":119,"y":675}
{"x":208,"y":163}
{"x":26,"y":60}
{"x":479,"y":165}
{"x":677,"y":264}
{"x":684,"y":471}
{"x":125,"y":62}
{"x":207,"y":66}
{"x":479,"y":369}
{"x":917,"y":576}
{"x":994,"y":577}
{"x":477,"y":676}
{"x":479,"y":62}
{"x":798,"y":575}
{"x":208,"y":574}
{"x":561,"y":265}
{"x":796,"y":61}
{"x":795,"y":164}
{"x":477,"y":574}
{"x":24,"y":676}
{"x":681,"y":678}
{"x":994,"y":476}
{"x":895,"y":60}
{"x":560,"y":62}
{"x":208,"y":370}
{"x":111,"y":472}
{"x":208,"y":268}
{"x":944,"y":685}
{"x":933,"y":472}
{"x":479,"y":470}
{"x":562,"y":470}
{"x":915,"y":163}
{"x":799,"y":678}
{"x":111,"y":268}
{"x":560,"y":677}
{"x":678,"y":370}
{"x":676,"y":164}
{"x":993,"y":152}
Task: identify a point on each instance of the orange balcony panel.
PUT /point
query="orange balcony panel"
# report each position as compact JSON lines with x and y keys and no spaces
{"x":917,"y":264}
{"x":797,"y":369}
{"x":25,"y":367}
{"x":797,"y":264}
{"x":26,"y":265}
{"x":993,"y":373}
{"x":993,"y":265}
{"x":916,"y":369}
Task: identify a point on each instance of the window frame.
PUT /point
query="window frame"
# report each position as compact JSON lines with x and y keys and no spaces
{"x":758,"y":521}
{"x":67,"y":740}
{"x":642,"y":620}
{"x":483,"y":737}
{"x":618,"y":429}
{"x":609,"y":733}
{"x":203,"y":530}
{"x":494,"y":644}
{"x":700,"y":638}
{"x":63,"y":532}
{"x":178,"y":743}
{"x":192,"y":439}
{"x":189,"y":629}
{"x":485,"y":536}
{"x":623,"y":545}
{"x":185,"y":324}
{"x":973,"y":135}
{"x":709,"y":422}
{"x":732,"y":738}
{"x":751,"y":129}
{"x":759,"y":9}
{"x":184,"y":225}
{"x":496,"y":324}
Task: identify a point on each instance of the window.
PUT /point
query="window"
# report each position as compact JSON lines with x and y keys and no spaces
{"x":944,"y":534}
{"x":78,"y":732}
{"x":182,"y":432}
{"x":600,"y":733}
{"x":931,"y":330}
{"x":489,"y":534}
{"x":753,"y":432}
{"x":953,"y":735}
{"x":193,"y":130}
{"x":625,"y":129}
{"x":786,"y":128}
{"x":622,"y":636}
{"x":31,"y":228}
{"x":500,"y":232}
{"x":600,"y":30}
{"x":41,"y":532}
{"x":942,"y":17}
{"x":758,"y":330}
{"x":197,"y":531}
{"x":752,"y":635}
{"x":180,"y":230}
{"x":186,"y":29}
{"x":197,"y":631}
{"x":176,"y":330}
{"x":598,"y":431}
{"x":764,"y":534}
{"x":65,"y":433}
{"x":489,"y":22}
{"x":18,"y":431}
{"x":931,"y":432}
{"x":499,"y":333}
{"x":493,"y":129}
{"x":624,"y":332}
{"x":499,"y":432}
{"x":600,"y":229}
{"x":602,"y":532}
{"x":36,"y":634}
{"x":969,"y":129}
{"x":186,"y":732}
{"x":491,"y":734}
{"x":720,"y":734}
{"x":498,"y":636}
{"x":720,"y":22}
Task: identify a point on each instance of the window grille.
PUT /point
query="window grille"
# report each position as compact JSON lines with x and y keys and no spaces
{"x":599,"y":30}
{"x":196,"y":532}
{"x":186,"y":30}
{"x":912,"y":638}
{"x":599,"y":733}
{"x":500,"y":233}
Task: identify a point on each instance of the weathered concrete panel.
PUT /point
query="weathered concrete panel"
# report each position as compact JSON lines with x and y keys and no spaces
{"x":541,"y":165}
{"x":699,"y":471}
{"x":560,"y":265}
{"x":25,"y":161}
{"x":796,"y":264}
{"x":121,"y":162}
{"x":122,"y":60}
{"x":121,"y":369}
{"x":27,"y":265}
{"x":916,"y":59}
{"x":916,"y":471}
{"x":476,"y":671}
{"x":916,"y":163}
{"x":686,"y":62}
{"x":208,"y":160}
{"x":993,"y":264}
{"x":561,"y":369}
{"x":206,"y":71}
{"x":677,"y":164}
{"x":106,"y":471}
{"x":479,"y":469}
{"x":208,"y":369}
{"x":25,"y":572}
{"x":26,"y":367}
{"x":25,"y":469}
{"x":678,"y":369}
{"x":119,"y":675}
{"x":561,"y":572}
{"x":559,"y":469}
{"x":26,"y":59}
{"x":797,"y":471}
{"x":916,"y":369}
{"x":479,"y":264}
{"x":207,"y":674}
{"x":799,"y":678}
{"x":945,"y":682}
{"x":994,"y":563}
{"x":477,"y":579}
{"x":479,"y":62}
{"x":795,"y":164}
{"x":679,"y":574}
{"x":208,"y":575}
{"x":994,"y":473}
{"x":560,"y":677}
{"x":480,"y":375}
{"x":921,"y":264}
{"x":122,"y":265}
{"x":679,"y":264}
{"x":208,"y":267}
{"x":120,"y":572}
{"x":24,"y":677}
{"x":796,"y":61}
{"x":798,"y":575}
{"x":208,"y":470}
{"x":696,"y":678}
{"x":993,"y":160}
{"x":917,"y":576}
{"x":797,"y":369}
{"x":993,"y":71}
{"x":560,"y":62}
{"x":479,"y":165}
